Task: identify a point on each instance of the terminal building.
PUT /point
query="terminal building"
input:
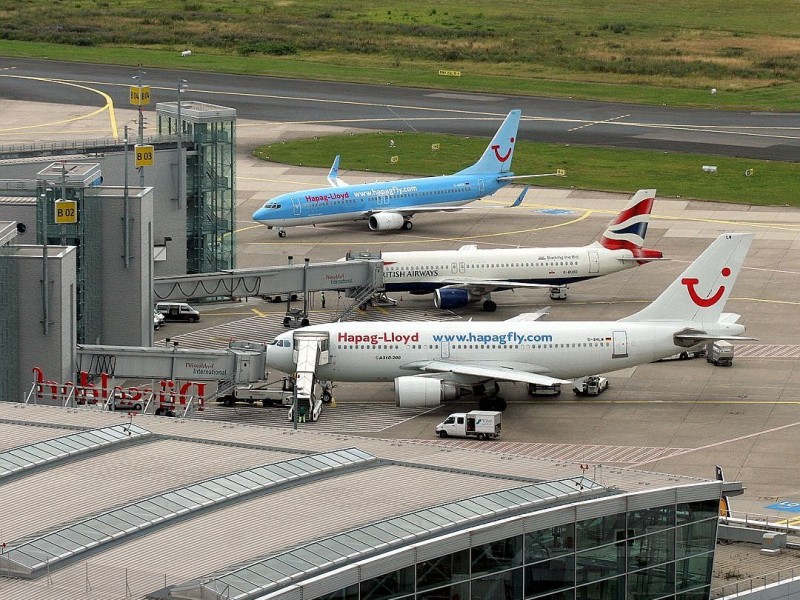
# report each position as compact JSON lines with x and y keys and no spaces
{"x":187,"y":509}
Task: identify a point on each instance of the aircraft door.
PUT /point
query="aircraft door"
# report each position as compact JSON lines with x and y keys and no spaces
{"x":445,"y":349}
{"x":481,"y":187}
{"x":297,"y":207}
{"x":594,"y":261}
{"x":457,"y":268}
{"x":620,"y":342}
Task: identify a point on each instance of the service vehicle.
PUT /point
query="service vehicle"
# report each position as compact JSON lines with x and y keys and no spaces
{"x":269,"y":393}
{"x":537,"y":389}
{"x":593,"y":385}
{"x":482,"y":424}
{"x":720,"y":353}
{"x":280,"y":297}
{"x":178,"y":311}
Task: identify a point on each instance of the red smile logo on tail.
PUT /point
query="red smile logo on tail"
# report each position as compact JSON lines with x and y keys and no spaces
{"x":690,"y":282}
{"x":504,"y":158}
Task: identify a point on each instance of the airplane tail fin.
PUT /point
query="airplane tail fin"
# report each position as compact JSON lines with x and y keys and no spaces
{"x":628,"y":229}
{"x":498,"y":154}
{"x":701,"y":291}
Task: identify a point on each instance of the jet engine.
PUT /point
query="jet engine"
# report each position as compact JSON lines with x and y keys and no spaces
{"x":415,"y":392}
{"x":384,"y":221}
{"x":452,"y":297}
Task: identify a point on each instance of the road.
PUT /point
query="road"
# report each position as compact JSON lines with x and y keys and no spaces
{"x":757,"y":135}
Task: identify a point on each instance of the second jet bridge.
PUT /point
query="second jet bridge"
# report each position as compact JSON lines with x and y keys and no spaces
{"x":311,"y":350}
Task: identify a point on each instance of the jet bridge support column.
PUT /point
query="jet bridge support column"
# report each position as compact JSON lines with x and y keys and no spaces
{"x":311,"y":349}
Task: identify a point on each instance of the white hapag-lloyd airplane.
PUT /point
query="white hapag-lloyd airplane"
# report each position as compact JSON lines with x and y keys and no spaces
{"x":435,"y":361}
{"x":459,"y":277}
{"x":391,"y":204}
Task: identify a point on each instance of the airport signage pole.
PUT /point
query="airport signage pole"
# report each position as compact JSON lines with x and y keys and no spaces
{"x":181,"y":174}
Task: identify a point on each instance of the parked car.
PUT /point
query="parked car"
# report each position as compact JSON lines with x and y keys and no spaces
{"x":178,"y":311}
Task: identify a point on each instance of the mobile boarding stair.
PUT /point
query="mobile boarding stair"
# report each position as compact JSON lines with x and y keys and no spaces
{"x":311,"y":349}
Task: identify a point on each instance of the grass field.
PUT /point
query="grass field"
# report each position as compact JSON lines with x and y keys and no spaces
{"x":655,"y":52}
{"x":761,"y":183}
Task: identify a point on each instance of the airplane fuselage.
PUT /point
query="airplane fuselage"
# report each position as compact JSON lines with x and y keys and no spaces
{"x":381,"y":351}
{"x":425,"y":271}
{"x":357,"y":202}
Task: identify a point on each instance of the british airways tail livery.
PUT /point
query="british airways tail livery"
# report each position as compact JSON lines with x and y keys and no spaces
{"x":391,"y":204}
{"x":431,"y":362}
{"x":459,"y":277}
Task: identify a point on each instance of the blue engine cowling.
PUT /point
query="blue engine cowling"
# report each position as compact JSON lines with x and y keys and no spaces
{"x":452,"y":298}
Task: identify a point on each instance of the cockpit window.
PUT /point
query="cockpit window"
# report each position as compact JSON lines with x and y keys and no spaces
{"x":272,"y":205}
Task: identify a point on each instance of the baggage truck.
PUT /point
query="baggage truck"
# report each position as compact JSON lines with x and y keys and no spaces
{"x":482,"y":424}
{"x":720,"y":353}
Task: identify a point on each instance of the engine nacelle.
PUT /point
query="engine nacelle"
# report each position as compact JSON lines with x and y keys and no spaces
{"x":384,"y":221}
{"x":415,"y":392}
{"x":453,"y":297}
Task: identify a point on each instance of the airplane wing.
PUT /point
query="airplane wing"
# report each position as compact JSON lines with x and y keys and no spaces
{"x":408,"y":211}
{"x":333,"y":174}
{"x":503,"y":373}
{"x":534,"y":316}
{"x":490,"y":283}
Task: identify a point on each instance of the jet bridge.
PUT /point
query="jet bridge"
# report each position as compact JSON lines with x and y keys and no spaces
{"x":287,"y":279}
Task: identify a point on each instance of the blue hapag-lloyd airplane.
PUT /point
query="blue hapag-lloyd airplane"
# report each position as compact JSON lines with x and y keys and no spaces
{"x":391,"y":204}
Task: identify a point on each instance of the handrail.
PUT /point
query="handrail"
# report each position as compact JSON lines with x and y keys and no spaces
{"x":756,"y":583}
{"x":772,"y":522}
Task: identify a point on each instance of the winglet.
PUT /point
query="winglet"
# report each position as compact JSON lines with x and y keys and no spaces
{"x":521,"y":196}
{"x":333,"y":174}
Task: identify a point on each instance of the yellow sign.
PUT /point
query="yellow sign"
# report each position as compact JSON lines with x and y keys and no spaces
{"x":145,"y":156}
{"x":394,"y":160}
{"x":66,"y":212}
{"x":448,"y":73}
{"x":140,"y":95}
{"x":436,"y":146}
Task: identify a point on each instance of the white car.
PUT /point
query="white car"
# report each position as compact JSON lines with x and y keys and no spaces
{"x":158,"y":320}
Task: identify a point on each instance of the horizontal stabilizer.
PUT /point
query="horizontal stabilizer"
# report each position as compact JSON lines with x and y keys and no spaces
{"x":690,"y":339}
{"x":558,"y":173}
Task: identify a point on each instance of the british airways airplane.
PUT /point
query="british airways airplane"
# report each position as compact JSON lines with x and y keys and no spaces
{"x":431,"y":362}
{"x":459,"y":277}
{"x":391,"y":204}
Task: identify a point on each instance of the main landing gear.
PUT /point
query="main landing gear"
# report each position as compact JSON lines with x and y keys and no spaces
{"x":489,"y":398}
{"x":281,"y":232}
{"x":408,"y":225}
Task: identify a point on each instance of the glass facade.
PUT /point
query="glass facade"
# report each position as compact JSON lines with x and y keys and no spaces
{"x":657,"y":553}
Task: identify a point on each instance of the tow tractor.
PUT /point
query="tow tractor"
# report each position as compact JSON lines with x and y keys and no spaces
{"x":593,"y":385}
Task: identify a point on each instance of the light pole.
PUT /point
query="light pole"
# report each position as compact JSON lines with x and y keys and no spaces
{"x":182,"y":85}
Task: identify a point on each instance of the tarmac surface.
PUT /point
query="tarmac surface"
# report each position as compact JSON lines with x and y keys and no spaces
{"x":679,"y":417}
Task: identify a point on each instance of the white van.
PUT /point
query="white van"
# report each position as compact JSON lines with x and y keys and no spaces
{"x":178,"y":311}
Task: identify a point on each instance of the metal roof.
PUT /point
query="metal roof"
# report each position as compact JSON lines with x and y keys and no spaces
{"x":398,"y":496}
{"x":26,"y":557}
{"x":48,"y":451}
{"x":262,"y":577}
